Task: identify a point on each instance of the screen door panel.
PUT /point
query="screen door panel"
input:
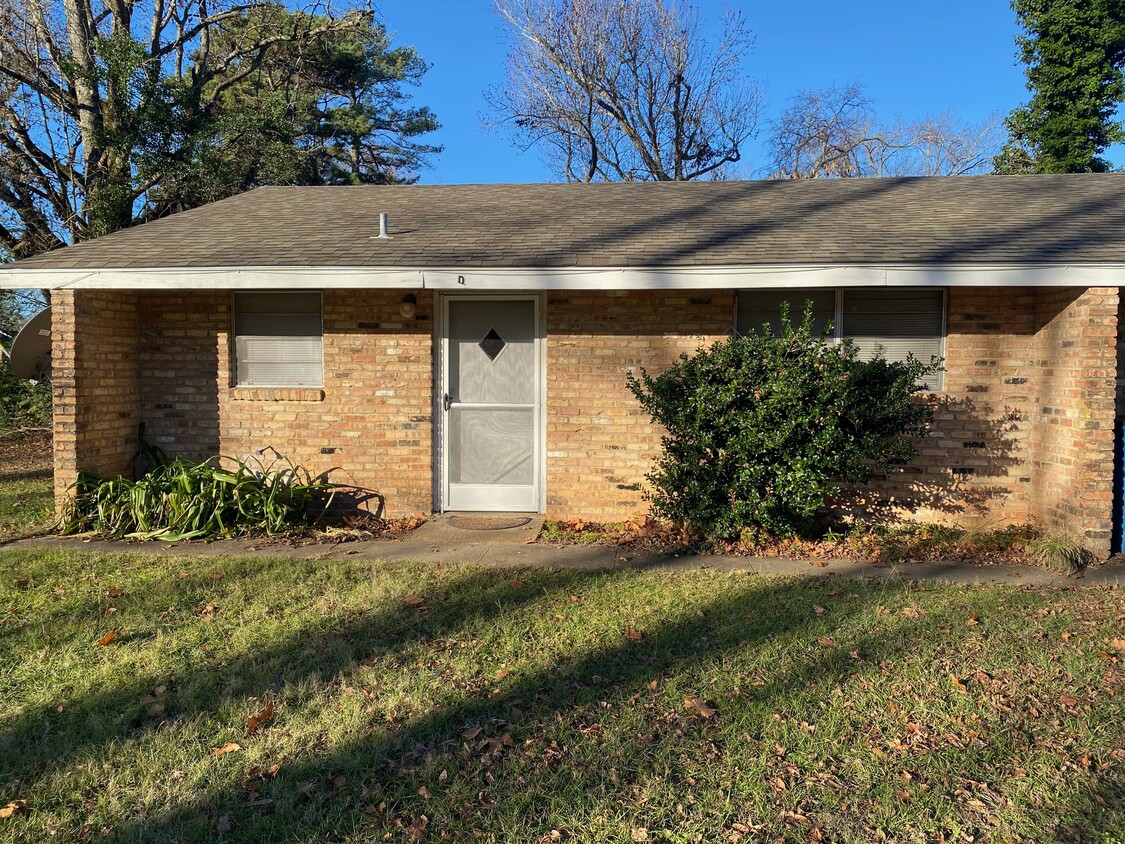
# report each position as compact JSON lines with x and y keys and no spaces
{"x":492,"y":415}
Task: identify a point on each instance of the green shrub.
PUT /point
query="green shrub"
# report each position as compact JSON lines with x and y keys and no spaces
{"x":762,"y":430}
{"x":23,"y":404}
{"x":189,"y":500}
{"x":1058,"y":552}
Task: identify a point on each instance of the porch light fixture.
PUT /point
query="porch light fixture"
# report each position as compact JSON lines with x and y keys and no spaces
{"x":408,"y":307}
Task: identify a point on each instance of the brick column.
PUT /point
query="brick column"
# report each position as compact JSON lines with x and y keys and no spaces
{"x":1072,"y":440}
{"x":95,"y":382}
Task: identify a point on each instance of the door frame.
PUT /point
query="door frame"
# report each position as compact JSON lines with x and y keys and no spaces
{"x":441,"y":370}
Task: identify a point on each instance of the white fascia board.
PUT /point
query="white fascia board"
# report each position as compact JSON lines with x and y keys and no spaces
{"x":233,"y":278}
{"x":570,"y":278}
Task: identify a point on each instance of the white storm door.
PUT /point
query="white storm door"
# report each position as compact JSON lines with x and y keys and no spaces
{"x":491,"y":404}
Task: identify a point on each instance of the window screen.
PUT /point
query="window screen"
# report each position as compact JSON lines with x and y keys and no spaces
{"x":757,"y":308}
{"x":883,"y":323}
{"x":279,"y":339}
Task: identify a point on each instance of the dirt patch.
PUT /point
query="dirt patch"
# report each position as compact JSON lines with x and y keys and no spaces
{"x":881,"y":544}
{"x":25,"y":455}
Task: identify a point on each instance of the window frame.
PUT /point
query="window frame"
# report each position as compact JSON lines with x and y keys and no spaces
{"x":234,"y":335}
{"x":838,"y":318}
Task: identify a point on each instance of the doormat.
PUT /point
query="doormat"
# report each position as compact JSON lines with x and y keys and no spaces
{"x":488,"y":522}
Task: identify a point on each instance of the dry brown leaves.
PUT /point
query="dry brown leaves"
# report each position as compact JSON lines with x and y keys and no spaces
{"x":699,"y":707}
{"x":255,"y":721}
{"x":229,"y":747}
{"x":13,"y":808}
{"x":106,"y":639}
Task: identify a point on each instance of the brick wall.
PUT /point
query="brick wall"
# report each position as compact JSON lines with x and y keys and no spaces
{"x":371,"y":424}
{"x":599,"y":442}
{"x":972,"y":468}
{"x":373,"y":418}
{"x":1023,"y":430}
{"x":96,"y":405}
{"x":1072,"y":443}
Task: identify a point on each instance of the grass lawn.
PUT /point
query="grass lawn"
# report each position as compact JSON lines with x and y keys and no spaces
{"x":463,"y":704}
{"x":26,"y":504}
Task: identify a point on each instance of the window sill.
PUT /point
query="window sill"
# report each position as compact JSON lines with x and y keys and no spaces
{"x":277,"y":394}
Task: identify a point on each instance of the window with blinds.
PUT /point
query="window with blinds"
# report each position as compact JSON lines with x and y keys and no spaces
{"x":278,"y":339}
{"x":886,"y":323}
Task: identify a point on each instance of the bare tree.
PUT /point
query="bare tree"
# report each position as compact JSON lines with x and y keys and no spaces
{"x":104,"y":103}
{"x":626,"y":89}
{"x":835,"y":133}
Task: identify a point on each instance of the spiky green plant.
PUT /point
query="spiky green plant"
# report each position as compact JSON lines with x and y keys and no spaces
{"x":186,"y":499}
{"x":1058,"y":552}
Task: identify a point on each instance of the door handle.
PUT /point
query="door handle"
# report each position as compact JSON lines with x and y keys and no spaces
{"x":447,"y":402}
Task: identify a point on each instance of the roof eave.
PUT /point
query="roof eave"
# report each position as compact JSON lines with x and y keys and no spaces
{"x":483,"y":279}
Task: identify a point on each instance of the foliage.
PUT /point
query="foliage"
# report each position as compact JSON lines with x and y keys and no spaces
{"x":1058,"y":552}
{"x":23,"y":404}
{"x":188,"y":500}
{"x":1074,"y":52}
{"x":116,"y":113}
{"x":760,"y":430}
{"x":514,"y":706}
{"x":626,"y":90}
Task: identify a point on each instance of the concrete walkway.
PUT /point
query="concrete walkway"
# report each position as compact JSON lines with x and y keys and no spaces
{"x":440,"y":540}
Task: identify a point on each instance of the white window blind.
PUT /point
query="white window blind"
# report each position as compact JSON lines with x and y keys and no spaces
{"x":279,"y":339}
{"x":883,"y":323}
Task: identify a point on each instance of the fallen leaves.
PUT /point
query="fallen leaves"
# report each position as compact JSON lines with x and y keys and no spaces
{"x":1068,"y":701}
{"x":973,"y":620}
{"x":414,"y":602}
{"x":826,"y":641}
{"x":229,"y":747}
{"x":913,"y":612}
{"x":1118,"y":644}
{"x":631,"y":633}
{"x":106,"y":639}
{"x":255,"y":721}
{"x":13,"y":808}
{"x":699,"y":706}
{"x":958,"y":684}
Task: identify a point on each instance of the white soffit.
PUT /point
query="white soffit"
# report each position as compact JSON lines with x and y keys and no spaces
{"x":552,"y":278}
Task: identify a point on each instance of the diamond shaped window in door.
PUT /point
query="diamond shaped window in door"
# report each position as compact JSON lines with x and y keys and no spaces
{"x":492,"y":344}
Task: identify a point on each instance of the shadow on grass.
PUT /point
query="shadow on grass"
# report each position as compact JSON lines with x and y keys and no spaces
{"x":517,"y":778}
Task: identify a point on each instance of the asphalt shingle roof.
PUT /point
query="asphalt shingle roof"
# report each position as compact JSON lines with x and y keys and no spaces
{"x":969,"y":220}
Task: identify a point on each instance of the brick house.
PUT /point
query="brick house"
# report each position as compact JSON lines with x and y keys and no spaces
{"x":473,"y":356}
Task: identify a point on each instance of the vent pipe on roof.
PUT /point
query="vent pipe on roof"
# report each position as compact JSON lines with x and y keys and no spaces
{"x":383,"y":227}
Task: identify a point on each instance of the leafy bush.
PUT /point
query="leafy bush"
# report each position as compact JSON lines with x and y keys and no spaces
{"x":188,"y":500}
{"x":761,"y":430}
{"x":23,"y":404}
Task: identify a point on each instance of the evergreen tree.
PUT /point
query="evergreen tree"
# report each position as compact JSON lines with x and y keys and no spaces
{"x":1074,"y":51}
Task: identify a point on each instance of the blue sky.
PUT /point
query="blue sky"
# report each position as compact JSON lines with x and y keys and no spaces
{"x":912,"y":58}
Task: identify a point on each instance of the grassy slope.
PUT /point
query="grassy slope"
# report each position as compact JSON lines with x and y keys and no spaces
{"x":519,"y":710}
{"x":26,"y":506}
